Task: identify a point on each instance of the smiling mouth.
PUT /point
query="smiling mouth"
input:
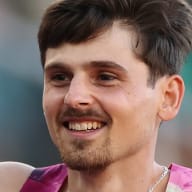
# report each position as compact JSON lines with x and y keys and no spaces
{"x":83,"y":126}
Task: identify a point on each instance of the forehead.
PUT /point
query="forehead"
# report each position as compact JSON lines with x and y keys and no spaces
{"x":116,"y":44}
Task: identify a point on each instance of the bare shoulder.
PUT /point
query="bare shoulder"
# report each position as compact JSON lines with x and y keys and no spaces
{"x":13,"y":175}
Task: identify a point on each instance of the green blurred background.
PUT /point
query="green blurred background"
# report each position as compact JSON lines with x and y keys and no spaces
{"x":23,"y":133}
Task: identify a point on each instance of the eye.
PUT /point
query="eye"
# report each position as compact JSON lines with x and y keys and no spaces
{"x":60,"y":79}
{"x":107,"y":77}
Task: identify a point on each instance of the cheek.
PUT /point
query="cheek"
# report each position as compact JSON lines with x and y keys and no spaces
{"x":133,"y":122}
{"x":51,"y":106}
{"x":116,"y":102}
{"x":132,"y":109}
{"x":52,"y":100}
{"x":52,"y":103}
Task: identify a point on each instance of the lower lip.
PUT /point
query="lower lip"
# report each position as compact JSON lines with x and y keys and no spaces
{"x":90,"y":134}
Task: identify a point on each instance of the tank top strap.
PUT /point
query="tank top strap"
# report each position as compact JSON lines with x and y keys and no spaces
{"x":46,"y":179}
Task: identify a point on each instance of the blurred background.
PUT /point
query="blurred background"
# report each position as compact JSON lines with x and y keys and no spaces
{"x":23,"y":133}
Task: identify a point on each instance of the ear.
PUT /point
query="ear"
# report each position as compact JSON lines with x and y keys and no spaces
{"x":172,"y":91}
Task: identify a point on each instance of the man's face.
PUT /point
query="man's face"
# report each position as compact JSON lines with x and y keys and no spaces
{"x":98,"y":106}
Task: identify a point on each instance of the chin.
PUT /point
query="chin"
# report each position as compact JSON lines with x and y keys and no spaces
{"x":90,"y":161}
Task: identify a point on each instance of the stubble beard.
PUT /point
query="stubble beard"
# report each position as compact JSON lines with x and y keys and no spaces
{"x":83,"y":156}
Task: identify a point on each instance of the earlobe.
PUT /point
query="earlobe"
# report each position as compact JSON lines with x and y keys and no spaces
{"x":173,"y":92}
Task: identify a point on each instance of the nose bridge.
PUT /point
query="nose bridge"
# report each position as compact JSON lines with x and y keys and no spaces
{"x":78,"y":93}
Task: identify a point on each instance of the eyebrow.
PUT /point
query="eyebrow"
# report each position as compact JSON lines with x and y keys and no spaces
{"x":108,"y":64}
{"x":57,"y":65}
{"x":94,"y":64}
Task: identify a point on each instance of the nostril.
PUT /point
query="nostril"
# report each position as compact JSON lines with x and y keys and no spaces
{"x":78,"y":95}
{"x":83,"y":103}
{"x":78,"y":101}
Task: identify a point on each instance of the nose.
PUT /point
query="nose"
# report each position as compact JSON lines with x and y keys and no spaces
{"x":79,"y":94}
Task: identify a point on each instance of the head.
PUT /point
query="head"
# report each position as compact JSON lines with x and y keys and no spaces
{"x":139,"y":94}
{"x":162,"y":27}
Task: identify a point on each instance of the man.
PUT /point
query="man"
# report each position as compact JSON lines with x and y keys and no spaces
{"x":110,"y":79}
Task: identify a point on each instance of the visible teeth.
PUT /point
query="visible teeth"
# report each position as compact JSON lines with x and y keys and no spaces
{"x":77,"y":126}
{"x":83,"y":126}
{"x":89,"y":125}
{"x":73,"y":126}
{"x":95,"y":125}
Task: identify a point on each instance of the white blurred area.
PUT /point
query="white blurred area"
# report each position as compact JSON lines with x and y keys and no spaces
{"x":23,"y":133}
{"x":18,"y":29}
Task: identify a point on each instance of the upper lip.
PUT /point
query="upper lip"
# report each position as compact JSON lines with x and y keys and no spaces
{"x":83,"y":119}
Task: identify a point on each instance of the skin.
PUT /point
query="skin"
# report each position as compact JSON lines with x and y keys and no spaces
{"x":103,"y":81}
{"x":104,"y":76}
{"x":72,"y":80}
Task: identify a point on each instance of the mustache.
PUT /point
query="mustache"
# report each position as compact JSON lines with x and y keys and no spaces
{"x":79,"y":113}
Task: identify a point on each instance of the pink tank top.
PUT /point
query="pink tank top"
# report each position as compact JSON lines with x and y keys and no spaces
{"x":52,"y":178}
{"x":46,"y":179}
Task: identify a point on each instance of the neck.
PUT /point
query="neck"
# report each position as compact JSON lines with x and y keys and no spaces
{"x":134,"y":173}
{"x":120,"y":176}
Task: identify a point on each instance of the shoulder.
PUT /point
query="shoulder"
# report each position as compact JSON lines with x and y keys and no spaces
{"x":13,"y":175}
{"x":53,"y":172}
{"x":50,"y":178}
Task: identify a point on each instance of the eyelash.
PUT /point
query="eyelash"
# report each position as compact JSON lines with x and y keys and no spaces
{"x":60,"y":78}
{"x":107,"y":77}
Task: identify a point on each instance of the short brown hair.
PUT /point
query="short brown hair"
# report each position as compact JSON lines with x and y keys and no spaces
{"x":164,"y":27}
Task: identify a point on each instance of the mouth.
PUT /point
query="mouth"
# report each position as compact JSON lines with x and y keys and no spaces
{"x":83,"y":126}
